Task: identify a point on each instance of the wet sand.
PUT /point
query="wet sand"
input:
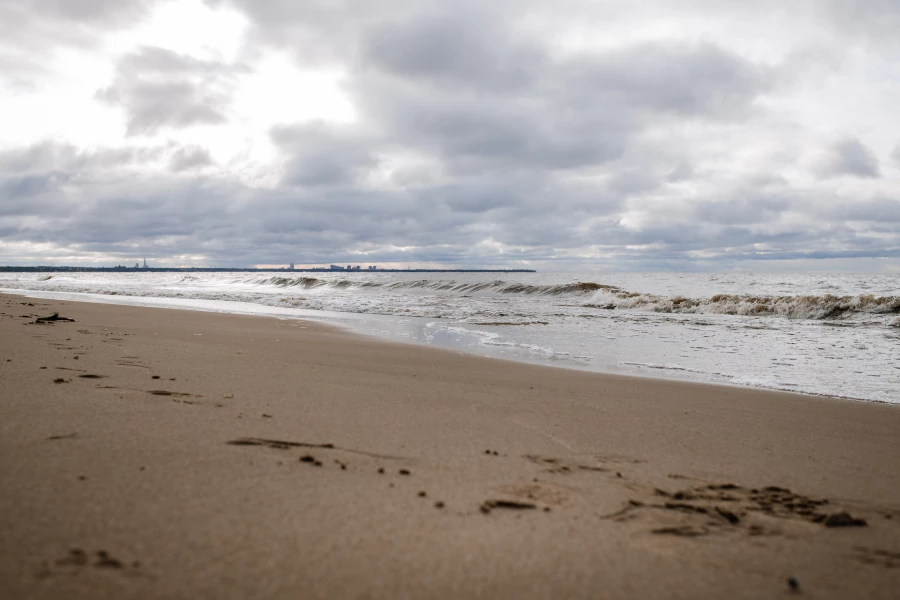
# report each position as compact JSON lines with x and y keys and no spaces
{"x":149,"y":453}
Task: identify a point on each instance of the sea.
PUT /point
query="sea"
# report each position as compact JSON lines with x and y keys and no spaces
{"x":829,"y":334}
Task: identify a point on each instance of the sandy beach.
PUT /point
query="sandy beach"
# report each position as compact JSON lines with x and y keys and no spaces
{"x":152,"y":453}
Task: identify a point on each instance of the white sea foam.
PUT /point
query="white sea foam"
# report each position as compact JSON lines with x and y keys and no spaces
{"x":489,"y":338}
{"x":662,"y":367}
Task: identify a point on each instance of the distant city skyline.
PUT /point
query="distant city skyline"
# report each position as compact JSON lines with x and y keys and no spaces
{"x":584,"y":134}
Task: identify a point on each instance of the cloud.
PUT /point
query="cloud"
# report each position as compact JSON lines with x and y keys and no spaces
{"x":848,"y":157}
{"x":159,"y":88}
{"x":318,"y":154}
{"x":878,"y":19}
{"x":87,"y":164}
{"x":478,"y":134}
{"x":516,"y":107}
{"x":31,"y":31}
{"x":30,"y":24}
{"x":189,"y":158}
{"x":452,"y":51}
{"x":671,"y":78}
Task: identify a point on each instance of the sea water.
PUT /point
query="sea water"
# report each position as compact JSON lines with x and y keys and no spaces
{"x":834,"y":334}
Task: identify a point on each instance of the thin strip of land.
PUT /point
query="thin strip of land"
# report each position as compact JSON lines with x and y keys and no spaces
{"x":124,"y":269}
{"x":149,"y":453}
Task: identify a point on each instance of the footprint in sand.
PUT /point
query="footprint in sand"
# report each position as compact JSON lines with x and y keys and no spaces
{"x":600,"y":464}
{"x":881,"y":558}
{"x":78,"y":559}
{"x":727,"y":507}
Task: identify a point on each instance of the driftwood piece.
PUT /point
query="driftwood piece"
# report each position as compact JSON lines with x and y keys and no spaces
{"x":53,"y":317}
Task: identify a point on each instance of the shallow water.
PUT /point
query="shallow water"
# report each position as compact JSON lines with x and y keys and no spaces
{"x":830,"y":334}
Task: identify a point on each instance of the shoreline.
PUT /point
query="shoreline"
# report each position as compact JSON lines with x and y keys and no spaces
{"x":191,"y":455}
{"x":346,"y":325}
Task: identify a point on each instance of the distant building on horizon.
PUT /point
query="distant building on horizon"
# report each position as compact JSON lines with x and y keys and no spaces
{"x":349,"y":268}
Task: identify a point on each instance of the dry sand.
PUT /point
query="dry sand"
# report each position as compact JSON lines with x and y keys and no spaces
{"x":150,"y":453}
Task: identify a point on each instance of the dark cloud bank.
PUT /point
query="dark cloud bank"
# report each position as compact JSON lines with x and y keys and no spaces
{"x":478,"y":142}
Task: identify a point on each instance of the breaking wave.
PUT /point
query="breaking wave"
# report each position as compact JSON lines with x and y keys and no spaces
{"x":796,"y":307}
{"x":284,"y":282}
{"x":497,"y":287}
{"x":609,"y":297}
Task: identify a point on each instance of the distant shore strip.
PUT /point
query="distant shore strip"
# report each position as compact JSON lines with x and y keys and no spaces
{"x":121,"y":269}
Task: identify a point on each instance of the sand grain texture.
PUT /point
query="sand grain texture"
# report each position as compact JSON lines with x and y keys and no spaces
{"x":149,"y":453}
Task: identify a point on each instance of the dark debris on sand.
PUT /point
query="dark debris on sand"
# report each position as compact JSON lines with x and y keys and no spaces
{"x":732,"y":503}
{"x":277,"y":444}
{"x":488,"y":505}
{"x":843,"y":519}
{"x":102,"y":560}
{"x":54,"y":318}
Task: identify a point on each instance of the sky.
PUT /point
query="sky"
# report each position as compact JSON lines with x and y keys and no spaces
{"x":698,"y":135}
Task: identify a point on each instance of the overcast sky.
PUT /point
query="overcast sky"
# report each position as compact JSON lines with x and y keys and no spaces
{"x":653,"y":135}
